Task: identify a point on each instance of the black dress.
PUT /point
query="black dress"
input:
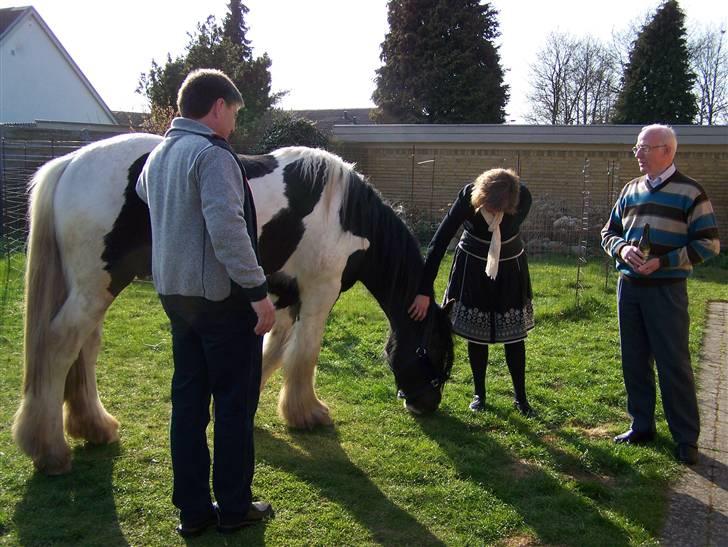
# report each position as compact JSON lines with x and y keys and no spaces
{"x":485,"y":311}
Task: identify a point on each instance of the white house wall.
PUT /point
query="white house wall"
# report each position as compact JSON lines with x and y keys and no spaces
{"x":38,"y":83}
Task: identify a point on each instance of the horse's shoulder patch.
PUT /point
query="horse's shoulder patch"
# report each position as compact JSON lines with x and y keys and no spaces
{"x":258,"y":166}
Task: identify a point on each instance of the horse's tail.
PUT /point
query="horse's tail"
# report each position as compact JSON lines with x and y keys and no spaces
{"x":45,"y":285}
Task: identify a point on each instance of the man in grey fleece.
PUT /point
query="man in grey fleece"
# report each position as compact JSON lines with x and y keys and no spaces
{"x":207,"y":272}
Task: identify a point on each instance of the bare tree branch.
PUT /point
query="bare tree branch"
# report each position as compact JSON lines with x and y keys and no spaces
{"x":709,"y":60}
{"x":572,"y":82}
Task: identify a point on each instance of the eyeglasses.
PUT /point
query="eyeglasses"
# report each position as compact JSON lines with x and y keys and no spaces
{"x":646,"y":148}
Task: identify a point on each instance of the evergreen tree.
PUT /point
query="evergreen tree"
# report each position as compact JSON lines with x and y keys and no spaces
{"x":213,"y":46}
{"x":235,"y":29}
{"x":657,"y":82}
{"x":440,"y":64}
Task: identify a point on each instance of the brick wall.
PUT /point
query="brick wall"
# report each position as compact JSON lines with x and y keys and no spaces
{"x":553,"y":170}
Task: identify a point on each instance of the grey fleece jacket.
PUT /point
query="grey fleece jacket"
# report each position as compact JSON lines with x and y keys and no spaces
{"x":195,"y":194}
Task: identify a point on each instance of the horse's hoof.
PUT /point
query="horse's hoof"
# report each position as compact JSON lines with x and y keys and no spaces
{"x":104,"y":437}
{"x":315,"y":417}
{"x":54,"y":465}
{"x":323,"y":418}
{"x":102,"y":431}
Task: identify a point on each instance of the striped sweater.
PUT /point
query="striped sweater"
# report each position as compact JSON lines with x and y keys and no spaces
{"x":683,"y":229}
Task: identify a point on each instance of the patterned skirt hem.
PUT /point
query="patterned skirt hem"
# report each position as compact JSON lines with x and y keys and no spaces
{"x":470,"y":338}
{"x":489,"y":327}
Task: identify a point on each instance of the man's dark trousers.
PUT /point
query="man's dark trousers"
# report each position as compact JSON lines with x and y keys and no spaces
{"x":216,"y":353}
{"x":653,"y":324}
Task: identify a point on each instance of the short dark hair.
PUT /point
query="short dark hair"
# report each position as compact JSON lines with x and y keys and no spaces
{"x":497,"y":189}
{"x":202,"y":88}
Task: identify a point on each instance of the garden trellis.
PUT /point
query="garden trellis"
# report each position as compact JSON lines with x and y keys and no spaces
{"x":550,"y":230}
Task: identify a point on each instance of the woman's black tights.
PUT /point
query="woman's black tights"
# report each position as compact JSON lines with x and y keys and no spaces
{"x":515,"y":359}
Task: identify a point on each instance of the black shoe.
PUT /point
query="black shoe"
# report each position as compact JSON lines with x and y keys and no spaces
{"x":635,"y":437}
{"x":477,"y":404}
{"x":258,"y":512}
{"x":686,"y":454}
{"x":195,"y":528}
{"x":524,"y":408}
{"x":400,"y":394}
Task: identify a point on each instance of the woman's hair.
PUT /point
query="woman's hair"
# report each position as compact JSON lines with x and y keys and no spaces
{"x":496,"y":189}
{"x":202,"y":88}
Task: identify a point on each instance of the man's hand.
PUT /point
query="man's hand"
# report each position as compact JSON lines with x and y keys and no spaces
{"x":632,"y":256}
{"x":649,"y":267}
{"x":418,"y":309}
{"x":266,"y":312}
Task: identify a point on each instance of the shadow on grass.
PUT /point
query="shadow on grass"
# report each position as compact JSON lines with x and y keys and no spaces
{"x":555,"y":513}
{"x":612,"y":480}
{"x":318,"y":459}
{"x":73,"y":509}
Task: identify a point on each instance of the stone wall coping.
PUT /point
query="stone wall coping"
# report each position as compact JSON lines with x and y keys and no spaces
{"x":519,"y":134}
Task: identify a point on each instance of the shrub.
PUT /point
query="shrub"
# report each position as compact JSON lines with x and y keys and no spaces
{"x":279,"y":129}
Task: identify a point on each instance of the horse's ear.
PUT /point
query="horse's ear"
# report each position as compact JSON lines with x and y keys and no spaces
{"x":448,"y":306}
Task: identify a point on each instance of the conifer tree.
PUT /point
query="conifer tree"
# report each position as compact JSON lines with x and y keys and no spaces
{"x":234,"y":27}
{"x":441,"y":64}
{"x":657,"y":82}
{"x":213,"y":46}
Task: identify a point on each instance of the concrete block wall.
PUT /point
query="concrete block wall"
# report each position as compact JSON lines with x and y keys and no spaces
{"x":553,"y":170}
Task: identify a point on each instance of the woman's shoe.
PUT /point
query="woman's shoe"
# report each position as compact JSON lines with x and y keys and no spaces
{"x":477,"y":404}
{"x":524,"y":408}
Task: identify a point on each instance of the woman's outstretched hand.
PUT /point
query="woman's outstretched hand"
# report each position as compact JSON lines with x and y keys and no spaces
{"x":418,"y":309}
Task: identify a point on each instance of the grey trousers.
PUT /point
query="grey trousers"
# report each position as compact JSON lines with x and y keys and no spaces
{"x":653,"y":327}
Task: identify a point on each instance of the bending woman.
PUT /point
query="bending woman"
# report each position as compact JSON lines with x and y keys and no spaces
{"x":489,"y":278}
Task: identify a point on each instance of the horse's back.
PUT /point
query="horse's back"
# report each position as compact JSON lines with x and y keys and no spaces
{"x":94,"y":182}
{"x":90,"y":196}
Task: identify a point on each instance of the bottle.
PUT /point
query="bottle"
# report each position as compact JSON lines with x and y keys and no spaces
{"x":644,"y":242}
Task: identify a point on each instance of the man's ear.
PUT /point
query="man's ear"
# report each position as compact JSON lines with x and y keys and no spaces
{"x":218,"y":106}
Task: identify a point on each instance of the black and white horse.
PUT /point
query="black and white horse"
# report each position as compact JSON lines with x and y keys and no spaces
{"x":321,"y":229}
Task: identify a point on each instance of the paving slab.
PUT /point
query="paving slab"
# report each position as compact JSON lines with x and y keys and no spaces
{"x":698,"y":514}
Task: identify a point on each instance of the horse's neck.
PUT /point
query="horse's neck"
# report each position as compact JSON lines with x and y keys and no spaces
{"x":393,"y":293}
{"x":392,"y":265}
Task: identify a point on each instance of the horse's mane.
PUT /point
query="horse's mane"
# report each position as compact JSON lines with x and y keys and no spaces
{"x":394,"y":264}
{"x":395,"y":248}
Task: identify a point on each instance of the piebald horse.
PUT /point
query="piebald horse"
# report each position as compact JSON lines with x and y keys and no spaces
{"x":321,"y":228}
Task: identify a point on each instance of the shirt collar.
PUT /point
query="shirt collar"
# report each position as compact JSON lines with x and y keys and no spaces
{"x":189,"y":125}
{"x":662,"y":177}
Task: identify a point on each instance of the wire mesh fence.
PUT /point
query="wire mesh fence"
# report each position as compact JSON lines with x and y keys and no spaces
{"x":19,"y":159}
{"x":552,"y":229}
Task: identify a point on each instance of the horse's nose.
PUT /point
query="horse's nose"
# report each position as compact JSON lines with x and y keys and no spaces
{"x":425,"y":403}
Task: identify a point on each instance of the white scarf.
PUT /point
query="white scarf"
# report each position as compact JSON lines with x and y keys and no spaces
{"x":493,"y":220}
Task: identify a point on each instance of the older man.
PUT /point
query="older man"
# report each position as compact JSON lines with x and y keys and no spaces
{"x":652,"y":291}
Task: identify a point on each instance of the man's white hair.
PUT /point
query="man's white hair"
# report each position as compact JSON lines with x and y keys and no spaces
{"x":666,"y":132}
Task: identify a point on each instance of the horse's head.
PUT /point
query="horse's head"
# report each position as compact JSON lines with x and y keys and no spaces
{"x":421,"y":358}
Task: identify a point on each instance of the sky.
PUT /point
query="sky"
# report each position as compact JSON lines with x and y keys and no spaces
{"x":323,"y":52}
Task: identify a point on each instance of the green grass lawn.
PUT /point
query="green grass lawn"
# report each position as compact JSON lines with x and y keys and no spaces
{"x":380,"y":475}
